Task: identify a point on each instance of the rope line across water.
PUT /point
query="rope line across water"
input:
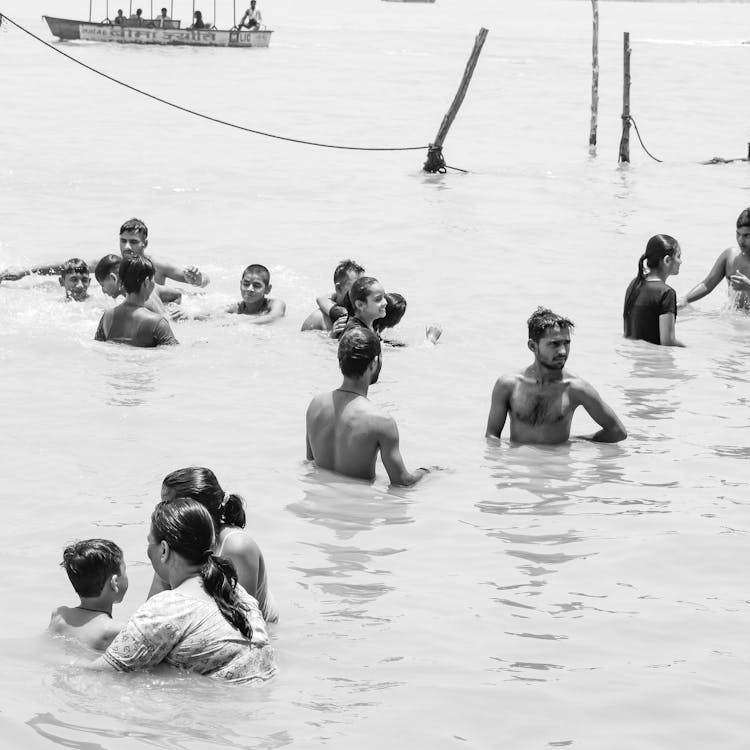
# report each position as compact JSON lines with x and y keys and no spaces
{"x":3,"y":17}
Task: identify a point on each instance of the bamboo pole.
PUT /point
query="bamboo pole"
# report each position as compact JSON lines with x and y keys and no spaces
{"x":152,"y":9}
{"x":214,"y":13}
{"x":171,"y":9}
{"x":91,"y":2}
{"x":594,"y":78}
{"x":625,"y":139}
{"x":435,"y":161}
{"x":130,"y":9}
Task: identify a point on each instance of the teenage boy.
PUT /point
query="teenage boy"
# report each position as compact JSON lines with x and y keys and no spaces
{"x":131,"y":322}
{"x":96,"y":569}
{"x":345,"y":431}
{"x":541,"y":399}
{"x":368,"y":303}
{"x":75,"y":279}
{"x":255,"y":286}
{"x":733,"y":264}
{"x":344,"y":275}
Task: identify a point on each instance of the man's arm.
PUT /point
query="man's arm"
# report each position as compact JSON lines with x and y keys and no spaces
{"x":612,"y":428}
{"x":499,"y":406}
{"x":276,"y":310}
{"x":390,"y":454}
{"x":715,"y":275}
{"x":186,"y":274}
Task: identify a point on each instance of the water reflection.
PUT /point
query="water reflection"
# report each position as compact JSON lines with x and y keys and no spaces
{"x":131,"y":377}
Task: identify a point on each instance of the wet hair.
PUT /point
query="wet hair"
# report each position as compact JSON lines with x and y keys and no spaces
{"x":360,"y":290}
{"x":358,"y":347}
{"x":743,"y":220}
{"x":337,"y":311}
{"x":133,"y":272}
{"x":344,"y":268}
{"x":542,"y":319}
{"x":200,"y":484}
{"x":395,"y":310}
{"x":187,"y":527}
{"x":657,"y":248}
{"x":260,"y":270}
{"x":135,"y":226}
{"x":89,"y":563}
{"x":74,"y":265}
{"x":107,"y":265}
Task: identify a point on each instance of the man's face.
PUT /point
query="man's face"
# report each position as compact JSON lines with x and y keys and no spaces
{"x":343,"y":287}
{"x":76,"y":285}
{"x":743,"y":239}
{"x":111,"y":285}
{"x":253,"y":288}
{"x":132,"y":244}
{"x":374,"y":307}
{"x":553,"y":348}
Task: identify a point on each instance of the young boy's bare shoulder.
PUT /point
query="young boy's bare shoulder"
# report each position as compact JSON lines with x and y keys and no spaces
{"x":96,"y":632}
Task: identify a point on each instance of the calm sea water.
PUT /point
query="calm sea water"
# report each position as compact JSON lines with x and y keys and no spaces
{"x":588,"y":596}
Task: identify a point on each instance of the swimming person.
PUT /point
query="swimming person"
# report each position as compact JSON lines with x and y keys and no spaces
{"x":345,"y":431}
{"x":96,"y":568}
{"x":107,"y":274}
{"x":395,"y":309}
{"x":74,"y":277}
{"x":228,"y":514}
{"x":344,"y":275}
{"x":206,"y":622}
{"x":131,"y":322}
{"x":542,"y":398}
{"x":255,"y":286}
{"x":368,"y":303}
{"x":650,"y":308}
{"x":733,"y":264}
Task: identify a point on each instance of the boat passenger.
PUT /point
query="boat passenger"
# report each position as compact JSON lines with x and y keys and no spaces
{"x":650,"y":307}
{"x":120,"y":18}
{"x":253,"y":16}
{"x":136,"y":19}
{"x":131,"y":322}
{"x":344,"y":275}
{"x":541,"y":399}
{"x":345,"y":431}
{"x":96,"y":568}
{"x":255,"y":285}
{"x":198,"y":21}
{"x":206,"y":622}
{"x":733,"y":264}
{"x":160,"y":19}
{"x":232,"y":541}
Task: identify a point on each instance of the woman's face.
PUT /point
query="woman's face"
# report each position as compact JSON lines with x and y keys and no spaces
{"x":674,"y":261}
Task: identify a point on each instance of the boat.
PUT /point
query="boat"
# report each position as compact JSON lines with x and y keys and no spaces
{"x":139,"y":30}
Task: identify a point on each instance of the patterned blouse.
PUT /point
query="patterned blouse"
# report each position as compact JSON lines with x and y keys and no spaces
{"x":192,"y":634}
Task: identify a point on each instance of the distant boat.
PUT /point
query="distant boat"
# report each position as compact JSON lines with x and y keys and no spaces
{"x":157,"y":31}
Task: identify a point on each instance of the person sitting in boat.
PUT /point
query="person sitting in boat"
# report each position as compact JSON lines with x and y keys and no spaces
{"x":136,"y":19}
{"x":198,"y":21}
{"x":120,"y":18}
{"x":160,"y":19}
{"x":253,"y":16}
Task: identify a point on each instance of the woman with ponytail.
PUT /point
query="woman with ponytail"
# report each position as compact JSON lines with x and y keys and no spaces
{"x":650,"y":309}
{"x":228,"y":515}
{"x":205,"y":622}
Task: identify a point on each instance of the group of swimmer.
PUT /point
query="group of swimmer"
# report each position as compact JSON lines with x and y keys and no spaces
{"x":209,"y":602}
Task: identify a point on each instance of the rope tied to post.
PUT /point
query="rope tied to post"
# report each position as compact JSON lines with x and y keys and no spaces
{"x":630,"y":119}
{"x":435,"y":161}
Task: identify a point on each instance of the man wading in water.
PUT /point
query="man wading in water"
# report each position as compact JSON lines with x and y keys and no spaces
{"x":542,"y":398}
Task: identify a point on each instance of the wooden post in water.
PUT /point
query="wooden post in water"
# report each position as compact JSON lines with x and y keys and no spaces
{"x":594,"y":78}
{"x":435,"y":161}
{"x":625,"y":139}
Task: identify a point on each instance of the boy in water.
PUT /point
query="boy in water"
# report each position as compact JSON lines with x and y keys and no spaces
{"x":75,"y":279}
{"x":96,"y":569}
{"x":255,"y":285}
{"x":344,"y":275}
{"x":733,"y":264}
{"x":541,"y":399}
{"x":368,"y":302}
{"x":131,"y":322}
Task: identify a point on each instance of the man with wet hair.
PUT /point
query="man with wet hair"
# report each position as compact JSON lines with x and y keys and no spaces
{"x":733,"y":264}
{"x":344,"y":275}
{"x":541,"y":399}
{"x":345,"y":431}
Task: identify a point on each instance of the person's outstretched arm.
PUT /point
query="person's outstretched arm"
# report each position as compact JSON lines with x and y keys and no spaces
{"x":715,"y":275}
{"x":185,"y":274}
{"x":499,"y":407}
{"x":613,"y":431}
{"x":390,"y":454}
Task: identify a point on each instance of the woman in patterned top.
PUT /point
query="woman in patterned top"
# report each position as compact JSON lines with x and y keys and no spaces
{"x":206,"y":622}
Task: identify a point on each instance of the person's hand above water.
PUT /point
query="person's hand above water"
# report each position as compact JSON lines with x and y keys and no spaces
{"x":13,"y":274}
{"x":195,"y":276}
{"x":339,"y":325}
{"x":739,"y":282}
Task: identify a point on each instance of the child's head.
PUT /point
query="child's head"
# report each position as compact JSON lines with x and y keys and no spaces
{"x":96,"y":568}
{"x":107,"y":274}
{"x":395,"y":309}
{"x":75,"y":279}
{"x":255,"y":283}
{"x":344,"y":275}
{"x":135,"y":272}
{"x":133,"y":238}
{"x":337,"y":311}
{"x":367,"y":298}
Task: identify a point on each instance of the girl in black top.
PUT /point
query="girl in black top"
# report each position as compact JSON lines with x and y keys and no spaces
{"x":650,"y":308}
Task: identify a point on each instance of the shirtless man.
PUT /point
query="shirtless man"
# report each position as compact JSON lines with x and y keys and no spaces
{"x":542,"y":398}
{"x":344,"y":275}
{"x":345,"y":431}
{"x":733,"y":264}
